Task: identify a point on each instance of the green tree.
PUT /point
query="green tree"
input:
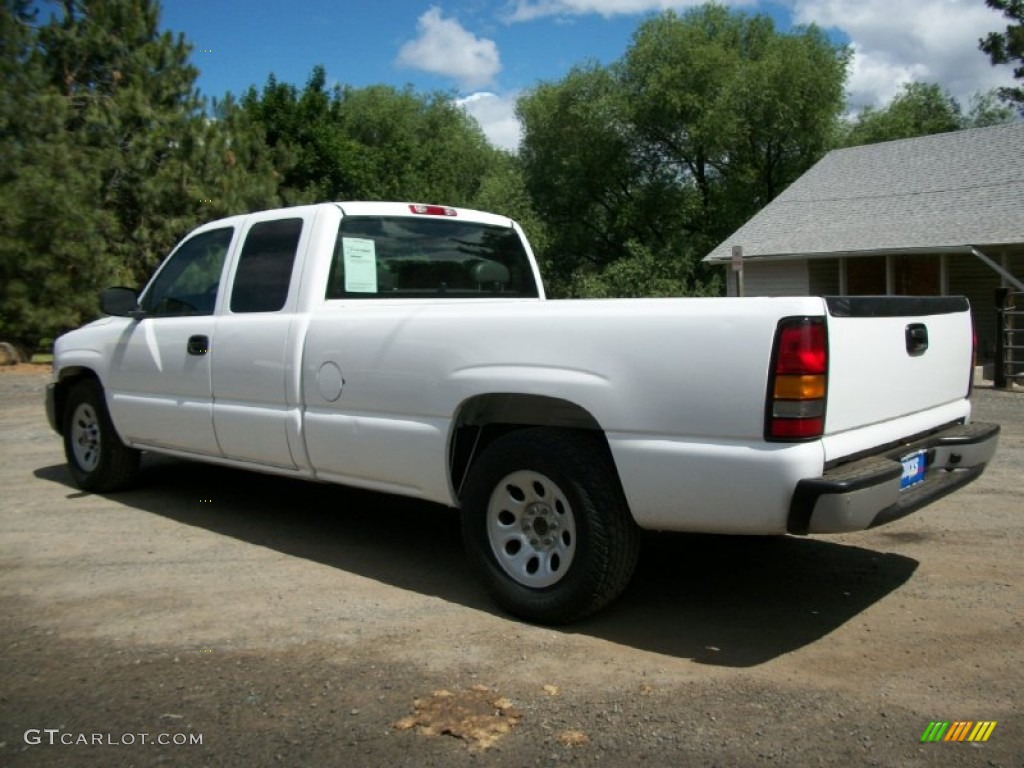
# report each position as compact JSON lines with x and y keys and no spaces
{"x":581,"y":172}
{"x":503,"y":191}
{"x":231,"y":167}
{"x":985,"y":110}
{"x":733,"y":105}
{"x":297,"y":130}
{"x":37,"y":174}
{"x":131,"y":106}
{"x":109,"y":158}
{"x":655,"y":158}
{"x":407,"y":146}
{"x":51,"y":235}
{"x":373,"y":143}
{"x":1008,"y":48}
{"x":920,"y":109}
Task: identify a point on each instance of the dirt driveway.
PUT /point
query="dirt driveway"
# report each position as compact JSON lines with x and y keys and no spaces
{"x":283,"y":623}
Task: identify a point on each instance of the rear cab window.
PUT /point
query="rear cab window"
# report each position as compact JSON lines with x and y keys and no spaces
{"x":405,"y":257}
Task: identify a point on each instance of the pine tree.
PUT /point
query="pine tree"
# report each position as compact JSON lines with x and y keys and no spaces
{"x":108,"y":158}
{"x":1008,"y":48}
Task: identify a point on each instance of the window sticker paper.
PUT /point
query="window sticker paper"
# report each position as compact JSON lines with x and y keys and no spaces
{"x":360,"y":257}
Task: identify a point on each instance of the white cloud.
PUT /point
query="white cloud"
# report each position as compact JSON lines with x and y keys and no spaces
{"x":528,"y":10}
{"x":496,"y":116}
{"x":933,"y":41}
{"x":894,"y":41}
{"x":444,"y":47}
{"x":876,"y":76}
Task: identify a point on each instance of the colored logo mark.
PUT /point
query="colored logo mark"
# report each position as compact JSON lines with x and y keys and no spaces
{"x":958,"y":730}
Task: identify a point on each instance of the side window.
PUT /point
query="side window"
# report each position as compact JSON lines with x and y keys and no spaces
{"x":265,"y":266}
{"x":188,"y":282}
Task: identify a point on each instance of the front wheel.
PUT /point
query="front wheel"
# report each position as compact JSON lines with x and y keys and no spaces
{"x":546,"y":525}
{"x":97,"y":459}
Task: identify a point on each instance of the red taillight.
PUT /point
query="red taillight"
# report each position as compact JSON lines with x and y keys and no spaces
{"x":798,"y":381}
{"x":433,"y":210}
{"x":797,"y":429}
{"x":801,"y":348}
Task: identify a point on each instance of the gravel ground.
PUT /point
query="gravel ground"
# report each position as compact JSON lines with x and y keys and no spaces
{"x":284,"y":623}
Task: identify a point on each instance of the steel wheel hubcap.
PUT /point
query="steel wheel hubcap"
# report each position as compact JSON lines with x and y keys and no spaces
{"x":531,"y":529}
{"x":85,"y":437}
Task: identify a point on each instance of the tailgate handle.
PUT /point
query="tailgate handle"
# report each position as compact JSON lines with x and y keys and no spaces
{"x":917,"y":339}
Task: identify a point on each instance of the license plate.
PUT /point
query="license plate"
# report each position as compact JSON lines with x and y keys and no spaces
{"x":914,"y":467}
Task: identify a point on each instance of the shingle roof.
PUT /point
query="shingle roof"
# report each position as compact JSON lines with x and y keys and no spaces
{"x":936,"y":192}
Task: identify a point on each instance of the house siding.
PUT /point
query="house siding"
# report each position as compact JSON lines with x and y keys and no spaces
{"x":773,"y":278}
{"x":968,"y":276}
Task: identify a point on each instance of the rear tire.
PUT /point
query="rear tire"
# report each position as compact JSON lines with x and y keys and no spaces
{"x":97,"y":458}
{"x":546,"y":525}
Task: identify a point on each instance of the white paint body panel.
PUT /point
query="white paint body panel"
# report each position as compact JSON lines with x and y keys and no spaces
{"x":255,"y":402}
{"x":156,"y":391}
{"x":637,"y":366}
{"x":677,"y":385}
{"x":872,"y":378}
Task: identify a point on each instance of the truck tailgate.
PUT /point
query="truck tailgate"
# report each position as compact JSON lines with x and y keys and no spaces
{"x":893,"y":357}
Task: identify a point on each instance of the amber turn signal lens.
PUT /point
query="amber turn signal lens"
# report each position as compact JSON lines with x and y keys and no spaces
{"x":799,"y":387}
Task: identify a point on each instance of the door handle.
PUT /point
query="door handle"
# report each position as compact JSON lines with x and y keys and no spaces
{"x":198,"y":345}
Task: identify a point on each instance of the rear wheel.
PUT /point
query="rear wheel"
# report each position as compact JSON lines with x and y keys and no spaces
{"x":546,"y":525}
{"x":97,"y":458}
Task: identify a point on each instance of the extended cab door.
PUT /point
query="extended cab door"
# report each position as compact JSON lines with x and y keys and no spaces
{"x":159,"y":381}
{"x":256,"y":354}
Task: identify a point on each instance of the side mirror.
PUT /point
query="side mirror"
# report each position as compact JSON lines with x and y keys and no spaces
{"x":121,"y":302}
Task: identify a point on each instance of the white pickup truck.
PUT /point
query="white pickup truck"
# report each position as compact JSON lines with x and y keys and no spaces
{"x":409,"y":349}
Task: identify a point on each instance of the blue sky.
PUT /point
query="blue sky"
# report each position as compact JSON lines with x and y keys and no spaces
{"x":487,"y":52}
